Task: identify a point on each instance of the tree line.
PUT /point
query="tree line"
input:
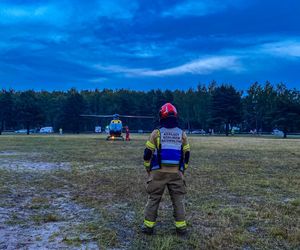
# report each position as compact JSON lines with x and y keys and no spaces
{"x":262,"y":107}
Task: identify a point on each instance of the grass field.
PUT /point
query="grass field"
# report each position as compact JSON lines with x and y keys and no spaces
{"x":84,"y":192}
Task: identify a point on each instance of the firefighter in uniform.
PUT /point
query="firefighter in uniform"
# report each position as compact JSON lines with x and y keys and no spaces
{"x":166,"y":158}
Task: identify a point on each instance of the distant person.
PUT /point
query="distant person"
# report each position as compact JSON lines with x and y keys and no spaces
{"x":60,"y":131}
{"x":127,"y":133}
{"x":166,"y":158}
{"x":253,"y":132}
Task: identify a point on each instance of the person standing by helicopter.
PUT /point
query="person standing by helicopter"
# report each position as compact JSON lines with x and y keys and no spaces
{"x":127,"y":133}
{"x":166,"y":158}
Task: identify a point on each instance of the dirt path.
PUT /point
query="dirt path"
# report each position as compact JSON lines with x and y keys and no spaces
{"x":37,"y":210}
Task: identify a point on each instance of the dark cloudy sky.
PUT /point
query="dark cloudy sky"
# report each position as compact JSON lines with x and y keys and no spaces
{"x":58,"y":44}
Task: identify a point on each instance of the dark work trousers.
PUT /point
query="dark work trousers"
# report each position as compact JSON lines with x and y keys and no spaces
{"x":155,"y":188}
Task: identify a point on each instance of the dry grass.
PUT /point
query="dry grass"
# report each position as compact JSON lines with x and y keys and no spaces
{"x":242,"y":192}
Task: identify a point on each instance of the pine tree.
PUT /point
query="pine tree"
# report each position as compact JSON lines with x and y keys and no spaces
{"x":226,"y":106}
{"x":6,"y":108}
{"x":73,"y":107}
{"x":29,"y":111}
{"x":286,"y":114}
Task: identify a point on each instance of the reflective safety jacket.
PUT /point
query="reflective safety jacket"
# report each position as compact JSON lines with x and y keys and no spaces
{"x":169,"y":147}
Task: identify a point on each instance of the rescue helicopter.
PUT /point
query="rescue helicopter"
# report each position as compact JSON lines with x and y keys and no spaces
{"x":116,"y":125}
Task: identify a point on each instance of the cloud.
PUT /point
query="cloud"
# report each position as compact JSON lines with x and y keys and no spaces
{"x":193,"y":8}
{"x":116,"y":9}
{"x":286,"y":48}
{"x":200,"y":67}
{"x":47,"y":13}
{"x":234,"y":60}
{"x":201,"y":8}
{"x":136,"y":41}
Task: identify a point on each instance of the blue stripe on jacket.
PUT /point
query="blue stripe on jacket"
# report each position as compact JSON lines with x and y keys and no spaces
{"x":170,"y":155}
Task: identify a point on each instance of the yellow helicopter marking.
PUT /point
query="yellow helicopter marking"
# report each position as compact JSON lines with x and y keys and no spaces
{"x":116,"y":121}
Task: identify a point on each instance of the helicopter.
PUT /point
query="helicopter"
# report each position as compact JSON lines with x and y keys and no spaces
{"x":116,"y":125}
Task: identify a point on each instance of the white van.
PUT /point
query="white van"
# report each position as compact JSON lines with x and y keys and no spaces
{"x":98,"y":129}
{"x":278,"y":132}
{"x":46,"y":130}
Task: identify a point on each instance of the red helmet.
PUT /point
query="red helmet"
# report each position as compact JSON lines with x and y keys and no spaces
{"x":167,"y":110}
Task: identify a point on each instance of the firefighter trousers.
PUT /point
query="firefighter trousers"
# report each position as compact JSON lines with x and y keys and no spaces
{"x":155,"y":187}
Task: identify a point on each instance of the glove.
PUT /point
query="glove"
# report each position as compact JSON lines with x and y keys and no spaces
{"x":147,"y":165}
{"x":186,"y":165}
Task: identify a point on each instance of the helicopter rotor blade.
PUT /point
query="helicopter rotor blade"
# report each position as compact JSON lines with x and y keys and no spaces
{"x":137,"y":116}
{"x":126,"y":116}
{"x":100,"y":116}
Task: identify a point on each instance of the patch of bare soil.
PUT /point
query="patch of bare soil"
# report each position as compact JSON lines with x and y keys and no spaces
{"x":8,"y":153}
{"x":33,"y":220}
{"x":25,"y":165}
{"x":35,"y":214}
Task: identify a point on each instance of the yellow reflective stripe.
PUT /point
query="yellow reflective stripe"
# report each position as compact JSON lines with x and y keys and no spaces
{"x":158,"y":138}
{"x":148,"y":223}
{"x":147,"y":163}
{"x":186,"y":147}
{"x":186,"y":166}
{"x":150,"y":145}
{"x":180,"y":224}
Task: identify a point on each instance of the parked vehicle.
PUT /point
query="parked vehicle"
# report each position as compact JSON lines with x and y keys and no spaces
{"x":277,"y":132}
{"x":235,"y":129}
{"x":97,"y":129}
{"x":201,"y":132}
{"x":21,"y":131}
{"x":46,"y":130}
{"x":24,"y":131}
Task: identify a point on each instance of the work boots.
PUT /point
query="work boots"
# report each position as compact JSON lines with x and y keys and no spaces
{"x":147,"y":230}
{"x":181,"y":231}
{"x":150,"y":230}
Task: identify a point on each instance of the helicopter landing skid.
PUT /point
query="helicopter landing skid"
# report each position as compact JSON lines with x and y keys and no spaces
{"x":115,"y":138}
